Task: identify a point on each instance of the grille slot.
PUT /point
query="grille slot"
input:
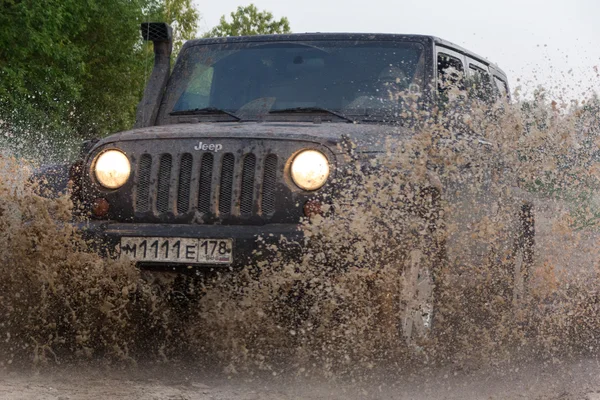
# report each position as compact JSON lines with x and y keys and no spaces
{"x":205,"y":188}
{"x":225,"y":192}
{"x":247,"y":193}
{"x":269,"y":180}
{"x":185,"y":178}
{"x":142,"y":201}
{"x":164,"y":176}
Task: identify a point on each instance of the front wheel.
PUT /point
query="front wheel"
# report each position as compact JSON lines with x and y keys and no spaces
{"x":418,"y":296}
{"x":523,"y":255}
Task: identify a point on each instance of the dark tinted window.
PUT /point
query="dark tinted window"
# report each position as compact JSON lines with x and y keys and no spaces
{"x":250,"y":78}
{"x":450,"y":73}
{"x":480,"y":84}
{"x":476,"y":70}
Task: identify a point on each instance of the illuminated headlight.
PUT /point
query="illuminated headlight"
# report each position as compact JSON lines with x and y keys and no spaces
{"x":310,"y":169}
{"x":112,"y":169}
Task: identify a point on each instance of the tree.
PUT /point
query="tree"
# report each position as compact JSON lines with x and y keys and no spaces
{"x":118,"y":83}
{"x":182,"y":16}
{"x":249,"y":21}
{"x":78,"y":67}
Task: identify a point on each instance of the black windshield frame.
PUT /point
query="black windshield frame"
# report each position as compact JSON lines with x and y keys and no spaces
{"x":186,"y":61}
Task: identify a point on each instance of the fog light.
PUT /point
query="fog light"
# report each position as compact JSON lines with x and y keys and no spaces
{"x":312,"y":207}
{"x":100,"y":208}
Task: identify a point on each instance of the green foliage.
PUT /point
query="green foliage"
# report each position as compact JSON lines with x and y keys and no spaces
{"x":249,"y":21}
{"x":78,"y":67}
{"x":182,"y":16}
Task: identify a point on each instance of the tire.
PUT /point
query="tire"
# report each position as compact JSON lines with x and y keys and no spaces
{"x":419,"y":298}
{"x":419,"y":291}
{"x":523,"y":256}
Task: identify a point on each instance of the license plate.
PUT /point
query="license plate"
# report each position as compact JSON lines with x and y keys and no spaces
{"x":177,"y":250}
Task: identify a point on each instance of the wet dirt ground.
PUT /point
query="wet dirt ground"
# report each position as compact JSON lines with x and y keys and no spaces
{"x":564,"y":380}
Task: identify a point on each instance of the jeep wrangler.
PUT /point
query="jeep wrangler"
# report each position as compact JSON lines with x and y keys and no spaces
{"x":235,"y":141}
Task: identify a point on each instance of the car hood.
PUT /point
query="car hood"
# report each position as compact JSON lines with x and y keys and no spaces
{"x":364,"y":138}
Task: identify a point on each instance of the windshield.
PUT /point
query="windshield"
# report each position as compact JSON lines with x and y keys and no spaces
{"x":361,"y":79}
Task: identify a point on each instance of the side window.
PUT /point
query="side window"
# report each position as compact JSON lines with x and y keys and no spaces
{"x":450,"y":73}
{"x":475,"y":70}
{"x":197,"y":94}
{"x":502,"y":87}
{"x":480,"y":85}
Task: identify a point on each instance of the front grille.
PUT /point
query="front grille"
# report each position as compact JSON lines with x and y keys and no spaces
{"x":241,"y":185}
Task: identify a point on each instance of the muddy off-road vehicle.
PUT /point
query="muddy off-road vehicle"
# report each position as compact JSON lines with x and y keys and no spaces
{"x":238,"y":141}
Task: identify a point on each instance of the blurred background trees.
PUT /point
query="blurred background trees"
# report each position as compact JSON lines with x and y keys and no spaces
{"x":249,"y":21}
{"x":72,"y":69}
{"x":78,"y":67}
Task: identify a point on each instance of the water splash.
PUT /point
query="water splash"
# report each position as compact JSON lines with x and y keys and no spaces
{"x":342,"y":308}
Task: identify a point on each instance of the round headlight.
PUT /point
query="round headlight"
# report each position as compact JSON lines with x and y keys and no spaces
{"x":112,"y":169}
{"x":310,"y":169}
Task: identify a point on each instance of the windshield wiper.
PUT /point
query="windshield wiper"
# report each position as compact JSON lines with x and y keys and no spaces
{"x":312,"y":110}
{"x":205,"y":111}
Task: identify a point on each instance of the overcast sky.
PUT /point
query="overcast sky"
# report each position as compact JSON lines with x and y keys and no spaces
{"x":553,"y":43}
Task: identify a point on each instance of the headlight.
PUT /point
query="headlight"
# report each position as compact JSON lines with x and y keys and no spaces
{"x":310,"y":170}
{"x":112,"y":169}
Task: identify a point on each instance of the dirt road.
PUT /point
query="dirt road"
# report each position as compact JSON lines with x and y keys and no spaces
{"x":567,"y":381}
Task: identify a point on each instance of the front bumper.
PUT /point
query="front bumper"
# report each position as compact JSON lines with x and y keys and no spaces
{"x":250,"y":243}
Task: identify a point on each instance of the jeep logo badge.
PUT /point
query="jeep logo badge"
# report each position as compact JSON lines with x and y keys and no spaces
{"x":209,"y":147}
